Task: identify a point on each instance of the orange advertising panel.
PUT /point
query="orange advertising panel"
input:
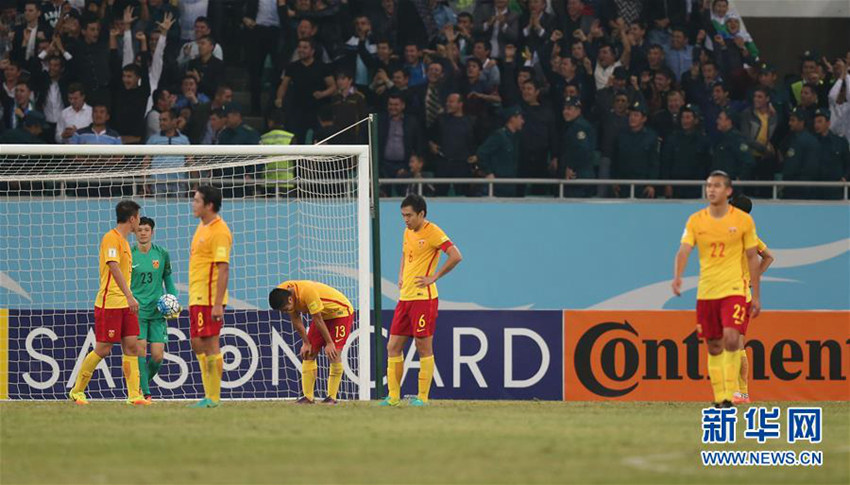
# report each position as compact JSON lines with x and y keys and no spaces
{"x":657,"y":356}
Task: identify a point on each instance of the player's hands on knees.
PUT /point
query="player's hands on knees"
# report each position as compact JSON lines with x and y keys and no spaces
{"x":134,"y":305}
{"x":217,"y":313}
{"x":306,"y":350}
{"x":677,"y":286}
{"x":755,"y":308}
{"x":331,"y":351}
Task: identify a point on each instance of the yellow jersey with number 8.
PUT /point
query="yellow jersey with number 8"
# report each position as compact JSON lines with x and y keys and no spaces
{"x":210,"y":245}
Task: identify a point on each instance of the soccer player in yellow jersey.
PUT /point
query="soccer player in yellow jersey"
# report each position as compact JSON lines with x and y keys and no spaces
{"x":742,"y":396}
{"x":209,"y":268}
{"x":331,"y":316}
{"x":115,"y":309}
{"x":416,"y":312}
{"x":724,"y":236}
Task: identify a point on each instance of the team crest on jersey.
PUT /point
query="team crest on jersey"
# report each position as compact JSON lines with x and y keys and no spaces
{"x":111,"y":333}
{"x":421,"y":243}
{"x":791,"y":152}
{"x":155,"y":264}
{"x":733,"y":230}
{"x":581,"y":135}
{"x":744,"y":147}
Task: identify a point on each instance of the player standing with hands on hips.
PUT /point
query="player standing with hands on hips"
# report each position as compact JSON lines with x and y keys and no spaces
{"x":416,"y":312}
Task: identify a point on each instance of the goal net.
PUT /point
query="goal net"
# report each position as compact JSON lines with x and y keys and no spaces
{"x":296,"y":212}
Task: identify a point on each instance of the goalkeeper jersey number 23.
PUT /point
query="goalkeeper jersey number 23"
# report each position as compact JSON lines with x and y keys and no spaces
{"x":149,"y":271}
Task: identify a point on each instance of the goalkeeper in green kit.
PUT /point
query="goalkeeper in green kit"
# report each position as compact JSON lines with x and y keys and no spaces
{"x":151,"y":271}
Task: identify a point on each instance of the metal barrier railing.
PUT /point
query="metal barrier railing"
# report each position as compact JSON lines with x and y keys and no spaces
{"x":419,"y":183}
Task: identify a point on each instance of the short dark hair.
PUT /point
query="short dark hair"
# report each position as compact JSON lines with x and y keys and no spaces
{"x":396,"y":96}
{"x":132,"y":68}
{"x":211,"y":195}
{"x":465,"y":14}
{"x":415,"y":202}
{"x":278,"y":297}
{"x":98,"y":104}
{"x":126,"y":209}
{"x":475,"y":60}
{"x":87,"y":20}
{"x":326,"y":113}
{"x":276,"y":116}
{"x":147,"y":221}
{"x":721,"y":173}
{"x":202,"y":19}
{"x":742,"y":202}
{"x":77,"y":88}
{"x":760,"y":89}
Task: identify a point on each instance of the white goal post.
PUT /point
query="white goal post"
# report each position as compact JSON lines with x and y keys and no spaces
{"x":296,"y":212}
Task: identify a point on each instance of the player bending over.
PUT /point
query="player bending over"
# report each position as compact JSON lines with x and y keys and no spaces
{"x":416,"y":312}
{"x":115,"y":308}
{"x":331,"y":315}
{"x":151,"y":271}
{"x":742,"y":396}
{"x":724,"y":236}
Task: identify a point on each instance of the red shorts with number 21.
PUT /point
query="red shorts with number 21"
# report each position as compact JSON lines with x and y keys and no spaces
{"x":416,"y":318}
{"x":714,"y":315}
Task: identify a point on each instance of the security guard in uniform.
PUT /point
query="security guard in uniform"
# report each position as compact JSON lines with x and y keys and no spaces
{"x":731,"y":152}
{"x":636,"y":152}
{"x":686,"y":154}
{"x":834,"y":156}
{"x":801,"y":156}
{"x":577,"y":156}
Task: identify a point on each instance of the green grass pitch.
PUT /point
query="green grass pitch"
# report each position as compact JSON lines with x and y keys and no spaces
{"x":448,"y":442}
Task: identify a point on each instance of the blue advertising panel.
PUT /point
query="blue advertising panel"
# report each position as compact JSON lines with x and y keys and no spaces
{"x":492,"y":355}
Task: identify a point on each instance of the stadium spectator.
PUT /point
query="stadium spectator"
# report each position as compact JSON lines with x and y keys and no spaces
{"x":306,"y":83}
{"x":452,"y":143}
{"x":839,"y":95}
{"x":29,"y":132}
{"x":164,"y":101}
{"x":432,"y":96}
{"x":679,"y":55}
{"x":666,"y":121}
{"x":760,"y":126}
{"x":575,"y":18}
{"x":499,"y":155}
{"x":190,"y":51}
{"x":198,"y":127}
{"x":611,"y":125}
{"x":399,"y":135}
{"x":168,"y":184}
{"x":28,"y":34}
{"x":76,"y":116}
{"x":91,"y":61}
{"x":208,"y":71}
{"x":349,"y":107}
{"x":50,"y":92}
{"x":607,"y":60}
{"x":498,"y":24}
{"x":262,"y":22}
{"x":720,"y":101}
{"x":189,"y":95}
{"x":215,"y":125}
{"x":131,"y":98}
{"x":490,"y":74}
{"x":538,"y":137}
{"x":413,"y":65}
{"x":359,"y":52}
{"x":98,"y":133}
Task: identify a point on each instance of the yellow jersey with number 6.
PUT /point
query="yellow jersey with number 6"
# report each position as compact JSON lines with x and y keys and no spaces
{"x":421,"y":252}
{"x":721,"y":244}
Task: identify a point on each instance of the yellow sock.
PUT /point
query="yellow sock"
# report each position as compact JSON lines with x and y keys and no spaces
{"x":395,"y":369}
{"x":731,"y":372}
{"x":215,"y":367}
{"x":131,"y":376}
{"x":202,"y":363}
{"x":715,"y":374}
{"x":86,"y":370}
{"x":743,"y":377}
{"x":426,"y":375}
{"x":334,"y":379}
{"x":309,"y":368}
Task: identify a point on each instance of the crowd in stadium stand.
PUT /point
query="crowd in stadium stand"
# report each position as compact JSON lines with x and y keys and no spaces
{"x":624,"y":89}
